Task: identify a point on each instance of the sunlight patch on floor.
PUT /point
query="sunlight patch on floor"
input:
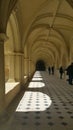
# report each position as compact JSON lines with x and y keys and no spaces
{"x":34,"y":101}
{"x":36,"y":85}
{"x":10,"y":86}
{"x":37,"y":79}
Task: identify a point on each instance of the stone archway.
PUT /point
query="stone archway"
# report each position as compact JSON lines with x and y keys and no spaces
{"x":40,"y":65}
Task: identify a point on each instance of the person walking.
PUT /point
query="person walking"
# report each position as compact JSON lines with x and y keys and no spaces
{"x":61,"y":71}
{"x":70,"y":73}
{"x":52,"y":69}
{"x":49,"y":70}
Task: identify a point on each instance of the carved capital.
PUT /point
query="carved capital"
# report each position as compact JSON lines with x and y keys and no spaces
{"x":3,"y":37}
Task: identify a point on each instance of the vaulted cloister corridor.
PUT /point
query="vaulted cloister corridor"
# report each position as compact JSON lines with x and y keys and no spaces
{"x":36,"y":36}
{"x":47,"y":104}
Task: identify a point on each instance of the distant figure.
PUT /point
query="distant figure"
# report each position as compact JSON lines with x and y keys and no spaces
{"x":52,"y":69}
{"x":49,"y":70}
{"x":61,"y":71}
{"x":70,"y":73}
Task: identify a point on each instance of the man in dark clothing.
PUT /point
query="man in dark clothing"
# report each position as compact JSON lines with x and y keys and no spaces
{"x":61,"y":71}
{"x":52,"y":69}
{"x":49,"y":70}
{"x":70,"y":73}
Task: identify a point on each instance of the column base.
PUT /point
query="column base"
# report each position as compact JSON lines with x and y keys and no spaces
{"x":11,"y":80}
{"x":3,"y":117}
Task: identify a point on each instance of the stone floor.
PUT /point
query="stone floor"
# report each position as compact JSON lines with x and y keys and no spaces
{"x":47,"y":104}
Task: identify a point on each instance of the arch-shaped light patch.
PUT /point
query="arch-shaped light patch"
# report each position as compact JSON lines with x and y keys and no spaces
{"x":34,"y":101}
{"x":36,"y":84}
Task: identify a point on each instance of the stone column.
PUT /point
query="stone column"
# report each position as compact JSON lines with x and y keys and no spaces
{"x":19,"y":67}
{"x":22,"y":69}
{"x":31,"y":68}
{"x":11,"y":67}
{"x":2,"y":77}
{"x":26,"y":68}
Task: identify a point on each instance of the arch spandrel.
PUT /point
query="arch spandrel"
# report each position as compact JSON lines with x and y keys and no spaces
{"x":43,"y":53}
{"x":46,"y":58}
{"x":13,"y":34}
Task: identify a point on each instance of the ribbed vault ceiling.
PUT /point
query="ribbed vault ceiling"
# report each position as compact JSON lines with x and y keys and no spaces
{"x":46,"y":26}
{"x":49,"y":28}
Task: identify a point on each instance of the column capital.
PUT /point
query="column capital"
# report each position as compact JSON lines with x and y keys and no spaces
{"x":30,"y":60}
{"x":26,"y":58}
{"x":14,"y":53}
{"x":3,"y":37}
